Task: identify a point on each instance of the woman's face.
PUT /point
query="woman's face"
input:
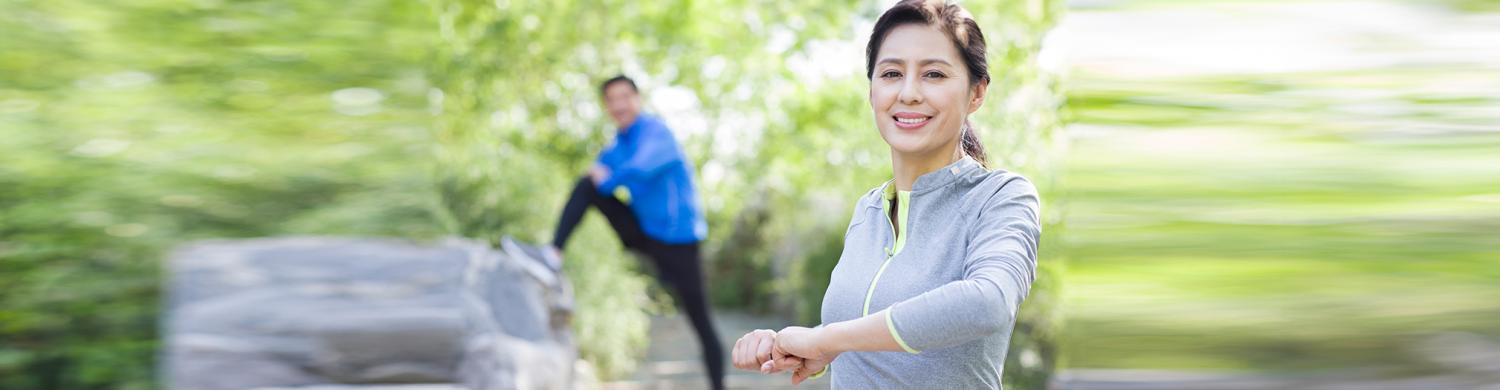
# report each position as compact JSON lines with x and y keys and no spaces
{"x":920,"y":91}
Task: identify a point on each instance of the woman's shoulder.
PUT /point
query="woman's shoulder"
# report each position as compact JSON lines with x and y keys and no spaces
{"x":999,"y":197}
{"x":1000,"y":181}
{"x":997,"y":187}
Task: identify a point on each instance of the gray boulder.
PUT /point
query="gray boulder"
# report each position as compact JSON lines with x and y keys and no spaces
{"x":318,"y":311}
{"x":517,"y":333}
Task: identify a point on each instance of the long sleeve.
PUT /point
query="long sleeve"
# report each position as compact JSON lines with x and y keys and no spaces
{"x":998,"y":270}
{"x":654,"y":149}
{"x":609,"y":157}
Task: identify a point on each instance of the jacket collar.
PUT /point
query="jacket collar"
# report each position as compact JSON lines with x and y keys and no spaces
{"x":946,"y":175}
{"x":935,"y":180}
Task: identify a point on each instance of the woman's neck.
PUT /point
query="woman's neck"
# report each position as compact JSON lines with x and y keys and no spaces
{"x":907,"y":168}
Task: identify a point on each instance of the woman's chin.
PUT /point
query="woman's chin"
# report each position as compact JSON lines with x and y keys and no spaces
{"x":912,"y":148}
{"x":906,"y":143}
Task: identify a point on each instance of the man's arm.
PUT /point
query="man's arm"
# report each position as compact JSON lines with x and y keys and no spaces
{"x":656,"y":150}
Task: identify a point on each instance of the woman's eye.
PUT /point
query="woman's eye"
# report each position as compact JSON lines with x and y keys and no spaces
{"x":890,"y":74}
{"x":935,"y":75}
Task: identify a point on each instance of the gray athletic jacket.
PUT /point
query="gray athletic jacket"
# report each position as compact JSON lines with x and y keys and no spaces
{"x":953,"y":288}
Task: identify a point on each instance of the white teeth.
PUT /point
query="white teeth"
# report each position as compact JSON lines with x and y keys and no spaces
{"x":911,"y":120}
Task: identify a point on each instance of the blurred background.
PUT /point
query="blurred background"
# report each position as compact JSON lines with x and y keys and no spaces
{"x":1301,"y":189}
{"x":1238,"y":194}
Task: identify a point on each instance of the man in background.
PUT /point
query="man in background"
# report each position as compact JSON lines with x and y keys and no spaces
{"x":663,"y":219}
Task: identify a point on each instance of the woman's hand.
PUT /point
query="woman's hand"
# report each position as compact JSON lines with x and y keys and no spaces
{"x":801,"y":342}
{"x":808,"y":345}
{"x":809,"y":368}
{"x":804,"y":351}
{"x":753,"y":350}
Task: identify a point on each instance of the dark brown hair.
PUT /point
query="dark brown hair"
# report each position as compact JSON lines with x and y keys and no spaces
{"x":960,"y":27}
{"x":618,"y":79}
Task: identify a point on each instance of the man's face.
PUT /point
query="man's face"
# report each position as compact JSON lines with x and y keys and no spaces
{"x":622,"y":102}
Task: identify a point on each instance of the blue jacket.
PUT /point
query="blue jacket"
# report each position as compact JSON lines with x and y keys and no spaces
{"x":646,"y":159}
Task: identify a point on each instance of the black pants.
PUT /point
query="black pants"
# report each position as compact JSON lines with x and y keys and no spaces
{"x":678,"y":266}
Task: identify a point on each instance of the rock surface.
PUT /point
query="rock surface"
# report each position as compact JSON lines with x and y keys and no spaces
{"x":318,"y":311}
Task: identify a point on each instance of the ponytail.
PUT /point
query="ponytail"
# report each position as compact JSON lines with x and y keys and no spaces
{"x":969,"y":141}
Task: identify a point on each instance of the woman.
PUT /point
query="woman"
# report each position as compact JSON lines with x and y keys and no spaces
{"x":937,"y":260}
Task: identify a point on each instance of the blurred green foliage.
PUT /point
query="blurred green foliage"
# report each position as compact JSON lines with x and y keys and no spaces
{"x":133,"y":126}
{"x":1309,"y":237}
{"x":1321,"y":220}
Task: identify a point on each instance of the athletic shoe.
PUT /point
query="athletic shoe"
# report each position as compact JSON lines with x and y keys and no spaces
{"x":539,"y":262}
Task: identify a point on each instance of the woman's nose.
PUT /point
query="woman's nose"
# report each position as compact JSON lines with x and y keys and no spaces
{"x":910,"y":93}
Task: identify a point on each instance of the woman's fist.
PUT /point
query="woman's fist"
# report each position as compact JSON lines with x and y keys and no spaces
{"x":795,"y":349}
{"x":753,"y":350}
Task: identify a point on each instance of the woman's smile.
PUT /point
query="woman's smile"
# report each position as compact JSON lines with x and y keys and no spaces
{"x":911,"y":120}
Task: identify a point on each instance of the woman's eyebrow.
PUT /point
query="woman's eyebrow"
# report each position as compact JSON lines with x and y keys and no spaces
{"x":898,"y":61}
{"x":930,"y":61}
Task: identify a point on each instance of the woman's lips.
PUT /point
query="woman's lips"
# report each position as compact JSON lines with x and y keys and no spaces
{"x":911,"y":121}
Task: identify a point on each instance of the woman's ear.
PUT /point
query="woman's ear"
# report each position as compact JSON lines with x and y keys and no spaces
{"x":976,"y":94}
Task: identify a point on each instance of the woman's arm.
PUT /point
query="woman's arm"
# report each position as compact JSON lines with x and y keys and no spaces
{"x":1000,"y":267}
{"x":868,"y":333}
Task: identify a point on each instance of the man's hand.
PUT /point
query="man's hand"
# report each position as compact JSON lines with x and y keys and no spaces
{"x":598,"y":173}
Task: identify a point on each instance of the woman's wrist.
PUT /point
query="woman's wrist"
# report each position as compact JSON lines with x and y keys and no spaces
{"x":868,"y":333}
{"x":829,"y":340}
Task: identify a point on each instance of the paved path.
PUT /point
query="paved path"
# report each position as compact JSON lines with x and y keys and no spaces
{"x":672,"y":361}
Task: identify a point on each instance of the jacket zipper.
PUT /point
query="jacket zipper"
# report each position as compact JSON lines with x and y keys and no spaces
{"x":889,"y":254}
